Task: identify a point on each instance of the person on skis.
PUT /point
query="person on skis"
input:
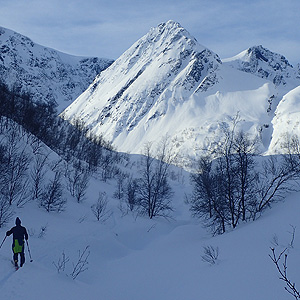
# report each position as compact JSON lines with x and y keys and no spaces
{"x":19,"y":234}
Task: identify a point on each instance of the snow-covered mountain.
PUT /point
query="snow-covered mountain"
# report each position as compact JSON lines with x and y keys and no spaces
{"x":169,"y":84}
{"x":262,"y":62}
{"x":157,"y":72}
{"x":155,"y":75}
{"x":165,"y":84}
{"x":48,"y":74}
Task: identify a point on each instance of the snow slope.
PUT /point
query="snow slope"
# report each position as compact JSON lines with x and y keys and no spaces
{"x":135,"y":258}
{"x":285,"y":102}
{"x":169,"y":84}
{"x":48,"y":74}
{"x":286,"y":121}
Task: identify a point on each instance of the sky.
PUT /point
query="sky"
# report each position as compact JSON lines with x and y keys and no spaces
{"x":107,"y":28}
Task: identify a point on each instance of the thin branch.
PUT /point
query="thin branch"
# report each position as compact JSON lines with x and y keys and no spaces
{"x":282,"y":270}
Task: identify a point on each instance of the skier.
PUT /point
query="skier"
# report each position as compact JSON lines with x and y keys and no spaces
{"x":19,"y":233}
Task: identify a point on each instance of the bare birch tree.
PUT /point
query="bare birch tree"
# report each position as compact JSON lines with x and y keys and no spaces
{"x":154,"y":192}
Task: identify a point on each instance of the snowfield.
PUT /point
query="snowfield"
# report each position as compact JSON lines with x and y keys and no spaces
{"x":136,"y":258}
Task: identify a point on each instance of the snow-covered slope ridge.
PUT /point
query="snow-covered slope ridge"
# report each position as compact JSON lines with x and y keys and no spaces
{"x":265,"y":64}
{"x":286,"y":120}
{"x":46,"y":73}
{"x":168,"y":84}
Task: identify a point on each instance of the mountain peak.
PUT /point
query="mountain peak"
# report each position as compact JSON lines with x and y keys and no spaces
{"x":171,"y":28}
{"x":154,"y":76}
{"x":257,"y":52}
{"x":163,"y":38}
{"x":265,"y":64}
{"x":168,"y":25}
{"x":261,"y":53}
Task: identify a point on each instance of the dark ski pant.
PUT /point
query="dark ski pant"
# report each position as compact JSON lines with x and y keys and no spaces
{"x":22,"y":256}
{"x":16,"y":255}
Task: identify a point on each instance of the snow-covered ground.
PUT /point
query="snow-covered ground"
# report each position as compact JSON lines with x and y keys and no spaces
{"x":136,"y":258}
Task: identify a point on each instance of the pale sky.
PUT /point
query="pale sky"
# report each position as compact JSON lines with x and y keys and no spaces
{"x":107,"y":28}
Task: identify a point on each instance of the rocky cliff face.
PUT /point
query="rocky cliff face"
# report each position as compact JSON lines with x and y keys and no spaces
{"x":47,"y":74}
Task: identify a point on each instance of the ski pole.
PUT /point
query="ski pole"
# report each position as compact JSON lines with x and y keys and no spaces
{"x":3,"y":241}
{"x":31,"y":260}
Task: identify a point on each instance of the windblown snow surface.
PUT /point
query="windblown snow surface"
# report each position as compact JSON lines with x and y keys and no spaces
{"x":286,"y":121}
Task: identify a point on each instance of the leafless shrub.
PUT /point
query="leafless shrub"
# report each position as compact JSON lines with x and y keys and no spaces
{"x":291,"y":244}
{"x":99,"y":209}
{"x":82,"y":219}
{"x":210,"y":255}
{"x":280,"y":262}
{"x":78,"y":180}
{"x":275,"y":240}
{"x":43,"y":230}
{"x":119,"y":192}
{"x":38,"y":173}
{"x":5,"y":211}
{"x":154,"y":193}
{"x":14,"y":167}
{"x":78,"y":267}
{"x":61,"y":263}
{"x":81,"y":265}
{"x":52,"y":197}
